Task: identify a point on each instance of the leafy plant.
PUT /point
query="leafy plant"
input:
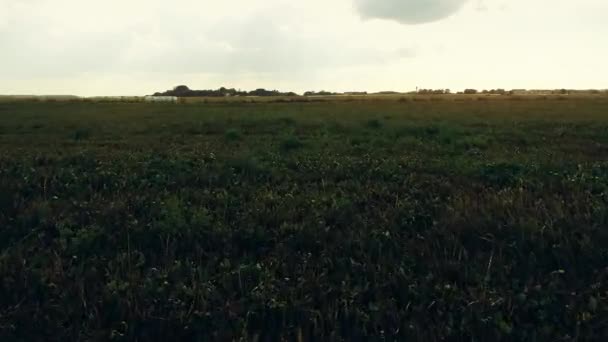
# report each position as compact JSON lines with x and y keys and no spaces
{"x":81,"y":134}
{"x":373,"y":124}
{"x":291,"y":143}
{"x":233,"y":134}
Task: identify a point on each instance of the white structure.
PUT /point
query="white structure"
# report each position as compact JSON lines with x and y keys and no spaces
{"x":161,"y":99}
{"x":114,"y":99}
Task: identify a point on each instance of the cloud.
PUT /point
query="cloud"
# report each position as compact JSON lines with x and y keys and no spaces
{"x":138,"y":46}
{"x":408,"y":11}
{"x":44,"y":40}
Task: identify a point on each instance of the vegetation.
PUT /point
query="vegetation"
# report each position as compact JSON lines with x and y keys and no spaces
{"x":336,"y":220}
{"x":433,"y":91}
{"x":322,"y":93}
{"x":184,"y":91}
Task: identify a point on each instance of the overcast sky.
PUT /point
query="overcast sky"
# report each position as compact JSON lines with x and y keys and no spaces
{"x":136,"y":47}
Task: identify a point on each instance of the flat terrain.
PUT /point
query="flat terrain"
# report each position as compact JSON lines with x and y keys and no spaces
{"x":412,"y":219}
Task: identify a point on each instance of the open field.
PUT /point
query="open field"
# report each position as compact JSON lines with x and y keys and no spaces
{"x":419,"y":220}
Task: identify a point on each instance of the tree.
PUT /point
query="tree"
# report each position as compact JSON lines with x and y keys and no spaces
{"x":181,"y":89}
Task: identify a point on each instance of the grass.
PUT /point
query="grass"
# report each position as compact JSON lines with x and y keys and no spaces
{"x":445,"y":220}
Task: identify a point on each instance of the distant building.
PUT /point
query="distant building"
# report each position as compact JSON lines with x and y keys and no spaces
{"x":114,"y":99}
{"x":161,"y":99}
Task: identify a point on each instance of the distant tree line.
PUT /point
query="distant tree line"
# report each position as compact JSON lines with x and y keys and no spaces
{"x":494,"y":91}
{"x":530,"y":91}
{"x":433,"y":91}
{"x":184,"y":91}
{"x":320,"y":93}
{"x":388,"y":93}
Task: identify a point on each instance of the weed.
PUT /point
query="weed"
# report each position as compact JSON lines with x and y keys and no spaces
{"x":233,"y":134}
{"x":247,"y":166}
{"x":291,"y":143}
{"x":373,"y":124}
{"x":81,"y":134}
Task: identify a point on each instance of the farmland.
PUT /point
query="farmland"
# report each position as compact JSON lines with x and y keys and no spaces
{"x":399,"y":219}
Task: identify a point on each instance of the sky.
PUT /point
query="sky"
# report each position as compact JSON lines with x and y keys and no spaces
{"x":137,"y":47}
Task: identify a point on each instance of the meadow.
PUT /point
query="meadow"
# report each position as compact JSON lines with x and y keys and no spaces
{"x":411,"y":218}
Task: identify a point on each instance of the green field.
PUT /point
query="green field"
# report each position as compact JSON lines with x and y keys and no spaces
{"x":422,"y":220}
